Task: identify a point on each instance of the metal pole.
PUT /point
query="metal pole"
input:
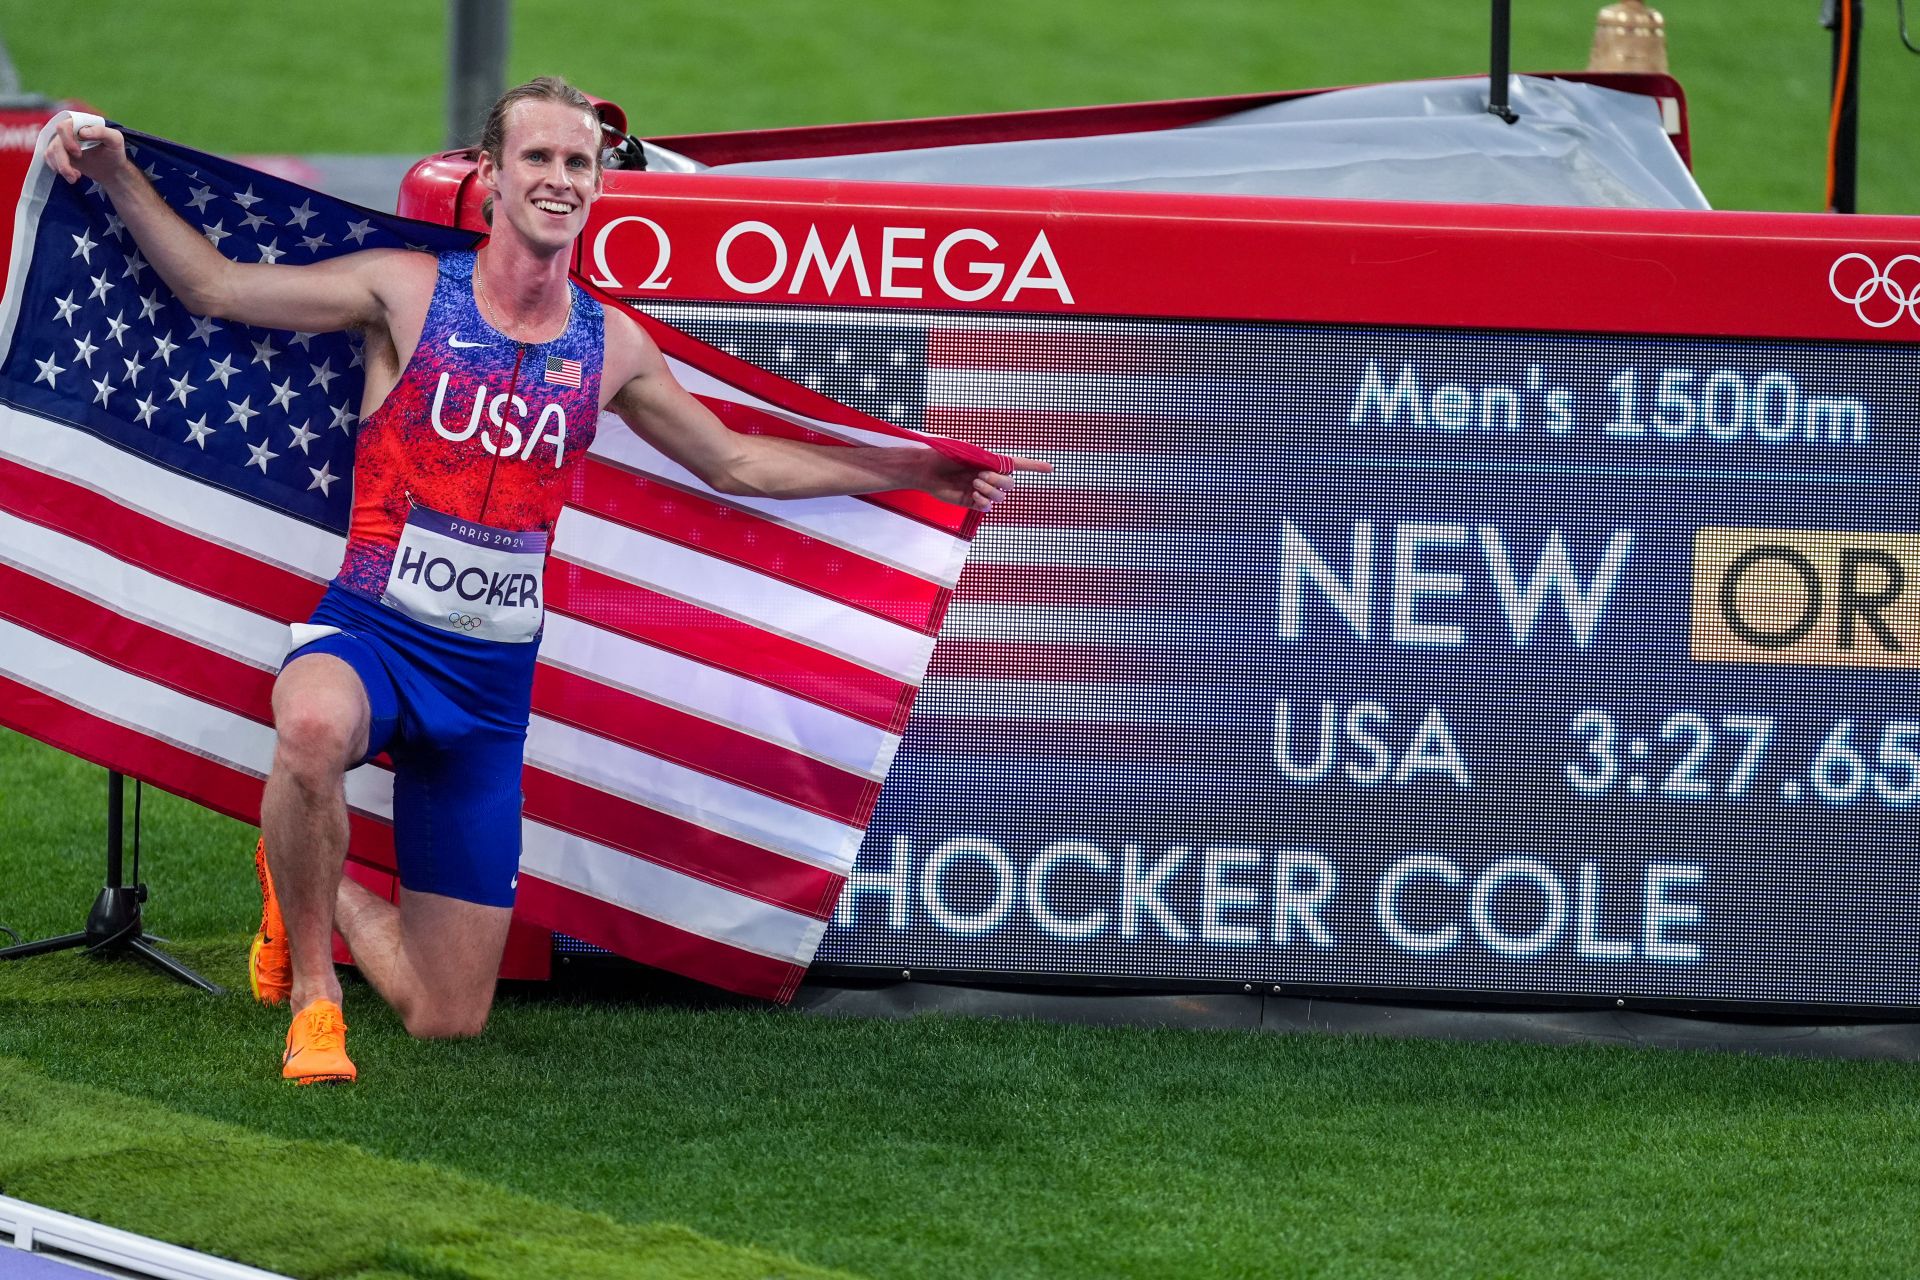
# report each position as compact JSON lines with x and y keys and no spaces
{"x":1846,"y":87}
{"x":1501,"y":60}
{"x":477,"y":33}
{"x":116,"y":807}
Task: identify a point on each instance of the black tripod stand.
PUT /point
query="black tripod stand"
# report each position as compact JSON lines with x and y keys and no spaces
{"x":114,"y":923}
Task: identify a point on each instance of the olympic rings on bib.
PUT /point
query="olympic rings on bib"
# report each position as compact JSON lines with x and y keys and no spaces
{"x":1902,"y":288}
{"x":467,"y":621}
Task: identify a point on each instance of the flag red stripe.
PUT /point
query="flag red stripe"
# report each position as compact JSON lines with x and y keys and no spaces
{"x":210,"y":782}
{"x":729,"y":644}
{"x":713,"y":749}
{"x":746,"y":538}
{"x":623,"y":930}
{"x":675,"y":843}
{"x":207,"y":567}
{"x":146,"y":651}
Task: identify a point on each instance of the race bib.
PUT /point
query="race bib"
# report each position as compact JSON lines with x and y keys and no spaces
{"x":468,"y":578}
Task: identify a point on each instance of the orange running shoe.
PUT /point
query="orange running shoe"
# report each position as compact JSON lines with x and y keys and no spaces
{"x":269,"y":963}
{"x":317,"y":1047}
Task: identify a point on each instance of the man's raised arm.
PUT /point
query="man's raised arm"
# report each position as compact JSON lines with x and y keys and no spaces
{"x":652,"y":402}
{"x":339,"y":293}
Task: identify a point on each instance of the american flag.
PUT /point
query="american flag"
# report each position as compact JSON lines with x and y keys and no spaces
{"x":723,"y":681}
{"x":563,"y":373}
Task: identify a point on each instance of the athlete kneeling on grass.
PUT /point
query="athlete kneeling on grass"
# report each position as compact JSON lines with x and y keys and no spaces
{"x":386,"y":663}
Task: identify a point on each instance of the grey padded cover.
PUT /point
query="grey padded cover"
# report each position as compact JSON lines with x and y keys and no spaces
{"x":1574,"y":144}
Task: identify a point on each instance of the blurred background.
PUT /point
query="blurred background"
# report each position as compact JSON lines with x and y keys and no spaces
{"x":370,"y":76}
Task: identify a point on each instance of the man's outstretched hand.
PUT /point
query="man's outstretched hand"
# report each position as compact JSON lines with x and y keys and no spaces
{"x":967,"y":485}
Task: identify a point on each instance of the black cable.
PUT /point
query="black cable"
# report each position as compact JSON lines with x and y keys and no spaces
{"x":1906,"y":39}
{"x":10,"y":933}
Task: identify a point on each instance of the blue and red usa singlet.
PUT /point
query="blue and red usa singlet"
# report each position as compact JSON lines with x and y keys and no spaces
{"x":460,"y":473}
{"x":458,"y":478}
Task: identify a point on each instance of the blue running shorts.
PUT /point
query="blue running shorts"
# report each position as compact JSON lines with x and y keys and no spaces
{"x":451,"y":712}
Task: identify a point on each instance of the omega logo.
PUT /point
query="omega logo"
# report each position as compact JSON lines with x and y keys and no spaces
{"x":756,"y":258}
{"x":663,"y":250}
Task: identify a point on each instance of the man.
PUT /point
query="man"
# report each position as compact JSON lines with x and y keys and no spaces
{"x":448,"y":490}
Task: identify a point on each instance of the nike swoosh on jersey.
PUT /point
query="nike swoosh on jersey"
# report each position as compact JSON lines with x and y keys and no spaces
{"x":453,"y":340}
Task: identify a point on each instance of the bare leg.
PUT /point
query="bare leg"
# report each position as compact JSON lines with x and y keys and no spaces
{"x":433,"y":958}
{"x":321,"y":717}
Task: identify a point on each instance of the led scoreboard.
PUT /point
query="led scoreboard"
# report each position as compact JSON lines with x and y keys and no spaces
{"x":1427,"y":660}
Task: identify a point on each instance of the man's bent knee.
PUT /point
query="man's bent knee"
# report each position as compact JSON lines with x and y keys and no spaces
{"x":313,"y":746}
{"x":320,"y":718}
{"x":444,"y":1022}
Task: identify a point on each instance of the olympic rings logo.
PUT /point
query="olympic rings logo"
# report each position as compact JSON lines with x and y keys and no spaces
{"x":467,"y":621}
{"x":1902,"y":288}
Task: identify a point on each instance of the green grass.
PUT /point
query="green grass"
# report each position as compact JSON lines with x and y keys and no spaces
{"x":932,"y":1147}
{"x":318,"y":1208}
{"x":366,"y":75}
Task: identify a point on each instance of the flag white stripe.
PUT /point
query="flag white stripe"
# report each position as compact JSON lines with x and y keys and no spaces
{"x":210,"y":514}
{"x":738,"y":592}
{"x":748,"y":706}
{"x":127,"y":699}
{"x":142,"y":595}
{"x":649,"y":889}
{"x":868,"y":530}
{"x":646,"y":888}
{"x":696,"y":797}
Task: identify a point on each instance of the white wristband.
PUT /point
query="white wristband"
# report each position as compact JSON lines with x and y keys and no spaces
{"x":81,"y":119}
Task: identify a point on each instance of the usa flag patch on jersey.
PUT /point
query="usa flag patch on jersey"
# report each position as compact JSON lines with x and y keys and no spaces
{"x":565,"y":373}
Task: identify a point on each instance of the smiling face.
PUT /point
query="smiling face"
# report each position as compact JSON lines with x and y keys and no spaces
{"x":547,"y":173}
